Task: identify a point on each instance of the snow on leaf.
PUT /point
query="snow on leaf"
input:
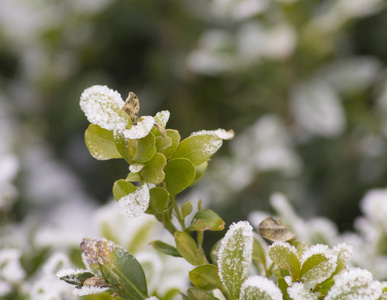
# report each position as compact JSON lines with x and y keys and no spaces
{"x":318,"y":264}
{"x":141,"y":129}
{"x":220,"y":133}
{"x":134,"y":204}
{"x":136,"y":167}
{"x":235,"y":255}
{"x":162,"y":118}
{"x":343,"y":252}
{"x":103,"y":106}
{"x":89,"y":290}
{"x":257,"y":287}
{"x":298,"y":291}
{"x":356,"y":284}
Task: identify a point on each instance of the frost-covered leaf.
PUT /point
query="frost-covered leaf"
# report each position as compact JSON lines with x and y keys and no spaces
{"x":343,"y":252}
{"x":274,"y":230}
{"x":101,"y":143}
{"x":234,"y":257}
{"x":318,"y":264}
{"x":285,"y":256}
{"x":179,"y":174}
{"x":146,"y":149}
{"x":75,"y":277}
{"x":158,"y":199}
{"x":116,"y":265}
{"x":258,"y":287}
{"x":165,"y":248}
{"x":198,"y":148}
{"x":153,"y":171}
{"x":162,"y":118}
{"x":135,"y":203}
{"x":89,"y":290}
{"x":298,"y":291}
{"x":122,"y":188}
{"x":220,"y":133}
{"x":175,"y":137}
{"x":141,"y":129}
{"x":206,"y":277}
{"x":356,"y":284}
{"x":136,"y":167}
{"x":206,"y":219}
{"x":103,"y":106}
{"x":187,"y":247}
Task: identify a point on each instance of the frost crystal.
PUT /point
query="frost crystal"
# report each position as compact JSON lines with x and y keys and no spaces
{"x":220,"y":133}
{"x":72,"y":273}
{"x":356,"y":284}
{"x":258,"y":287}
{"x":135,"y":168}
{"x":134,"y":204}
{"x":298,"y":291}
{"x":321,"y":269}
{"x":89,"y":290}
{"x":103,"y":106}
{"x":141,"y":129}
{"x":235,"y":253}
{"x":162,"y":118}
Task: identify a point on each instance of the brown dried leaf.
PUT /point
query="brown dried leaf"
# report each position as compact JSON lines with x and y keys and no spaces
{"x":274,"y":230}
{"x":132,"y":106}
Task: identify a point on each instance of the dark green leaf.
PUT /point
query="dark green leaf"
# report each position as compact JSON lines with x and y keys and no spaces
{"x":179,"y":174}
{"x":165,"y":248}
{"x":206,"y":219}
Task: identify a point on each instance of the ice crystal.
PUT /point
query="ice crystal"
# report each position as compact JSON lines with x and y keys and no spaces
{"x":141,"y":129}
{"x":298,"y":291}
{"x":258,"y":287}
{"x":136,"y":167}
{"x":134,"y":204}
{"x":71,"y":273}
{"x":356,"y":284}
{"x":235,"y":252}
{"x":103,"y":106}
{"x":89,"y":290}
{"x":220,"y":133}
{"x":162,"y":118}
{"x":321,"y":269}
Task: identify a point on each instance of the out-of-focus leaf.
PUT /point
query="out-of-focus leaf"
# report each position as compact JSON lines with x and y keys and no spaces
{"x":165,"y":248}
{"x":274,"y":230}
{"x":194,"y":293}
{"x":187,"y":247}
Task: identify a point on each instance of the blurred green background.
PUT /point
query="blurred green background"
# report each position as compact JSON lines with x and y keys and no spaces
{"x":302,"y":83}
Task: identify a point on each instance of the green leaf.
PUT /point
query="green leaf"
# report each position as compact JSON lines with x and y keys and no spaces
{"x":215,"y":252}
{"x":77,"y":277}
{"x":258,"y":287}
{"x":122,"y":146}
{"x":129,"y":272}
{"x":179,"y":174}
{"x":122,"y":188}
{"x":146,"y":149}
{"x":165,"y":248}
{"x":153,"y":170}
{"x":198,"y":148}
{"x":285,"y":256}
{"x":162,"y":143}
{"x":158,"y":199}
{"x":259,"y":254}
{"x":175,"y":137}
{"x":206,"y":219}
{"x":200,"y":170}
{"x":116,"y":265}
{"x":188,"y":249}
{"x":195,"y":293}
{"x":284,"y":288}
{"x":134,"y":177}
{"x":318,"y":264}
{"x":100,"y":143}
{"x":234,"y":256}
{"x":186,"y":208}
{"x":206,"y":277}
{"x":343,"y":253}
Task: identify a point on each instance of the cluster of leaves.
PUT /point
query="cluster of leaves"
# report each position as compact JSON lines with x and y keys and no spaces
{"x":162,"y":166}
